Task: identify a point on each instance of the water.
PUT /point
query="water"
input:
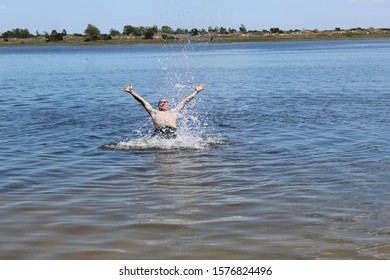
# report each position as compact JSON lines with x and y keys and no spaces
{"x":285,"y":155}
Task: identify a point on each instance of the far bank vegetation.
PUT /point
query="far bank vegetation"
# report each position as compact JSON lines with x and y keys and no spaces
{"x":154,"y":34}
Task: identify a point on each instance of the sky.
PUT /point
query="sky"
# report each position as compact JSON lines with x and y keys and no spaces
{"x":75,"y":15}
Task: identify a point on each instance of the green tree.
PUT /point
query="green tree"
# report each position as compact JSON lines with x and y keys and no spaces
{"x":181,"y":31}
{"x":128,"y":29}
{"x":243,"y":29}
{"x":154,"y":28}
{"x":213,"y":29}
{"x":22,"y":33}
{"x":92,"y":32}
{"x":114,"y":32}
{"x":166,"y":29}
{"x":133,"y":30}
{"x":222,"y":30}
{"x":17,"y":33}
{"x":139,"y":31}
{"x":54,"y":36}
{"x":149,"y":33}
{"x":194,"y":32}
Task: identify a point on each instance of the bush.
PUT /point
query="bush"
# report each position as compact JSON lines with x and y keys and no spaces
{"x":148,"y":34}
{"x":17,"y":33}
{"x":54,"y":36}
{"x":92,"y":32}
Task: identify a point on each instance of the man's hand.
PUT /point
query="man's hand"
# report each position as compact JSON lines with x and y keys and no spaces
{"x":200,"y":88}
{"x":128,"y":88}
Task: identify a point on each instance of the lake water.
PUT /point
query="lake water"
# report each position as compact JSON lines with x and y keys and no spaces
{"x":284,"y":155}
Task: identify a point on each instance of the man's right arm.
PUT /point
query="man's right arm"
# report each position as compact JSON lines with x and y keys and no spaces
{"x":147,"y":106}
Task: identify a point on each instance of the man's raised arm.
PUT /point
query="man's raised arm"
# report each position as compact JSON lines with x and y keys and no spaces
{"x":181,"y":105}
{"x":147,"y":106}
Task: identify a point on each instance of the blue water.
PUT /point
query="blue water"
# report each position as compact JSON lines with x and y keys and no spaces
{"x":284,"y":155}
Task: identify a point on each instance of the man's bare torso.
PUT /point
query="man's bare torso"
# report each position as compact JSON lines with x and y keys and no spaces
{"x":164,"y":118}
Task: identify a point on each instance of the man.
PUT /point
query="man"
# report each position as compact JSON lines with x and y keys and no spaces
{"x":164,"y":119}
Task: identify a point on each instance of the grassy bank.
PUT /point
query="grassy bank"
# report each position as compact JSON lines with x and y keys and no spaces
{"x":208,"y":38}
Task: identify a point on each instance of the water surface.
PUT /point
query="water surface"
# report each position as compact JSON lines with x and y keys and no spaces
{"x":285,"y":155}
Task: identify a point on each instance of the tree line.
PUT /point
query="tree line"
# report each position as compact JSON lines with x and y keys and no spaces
{"x":92,"y":32}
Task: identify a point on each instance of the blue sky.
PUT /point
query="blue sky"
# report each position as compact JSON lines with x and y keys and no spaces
{"x":75,"y":15}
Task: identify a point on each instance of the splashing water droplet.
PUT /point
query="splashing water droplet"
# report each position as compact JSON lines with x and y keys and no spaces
{"x":194,"y":124}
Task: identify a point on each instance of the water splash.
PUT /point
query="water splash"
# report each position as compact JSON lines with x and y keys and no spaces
{"x":181,"y":142}
{"x":194,"y":123}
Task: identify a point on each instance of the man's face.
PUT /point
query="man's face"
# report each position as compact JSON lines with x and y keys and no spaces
{"x":163,"y":105}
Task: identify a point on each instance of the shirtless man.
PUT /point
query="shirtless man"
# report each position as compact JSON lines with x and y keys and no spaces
{"x":164,"y":119}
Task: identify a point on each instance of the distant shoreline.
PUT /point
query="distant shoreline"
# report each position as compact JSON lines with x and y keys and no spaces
{"x":159,"y":38}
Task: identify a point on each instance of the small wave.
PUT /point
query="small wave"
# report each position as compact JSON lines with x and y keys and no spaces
{"x":155,"y":143}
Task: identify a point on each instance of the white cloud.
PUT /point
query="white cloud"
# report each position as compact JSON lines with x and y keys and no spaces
{"x":2,"y":7}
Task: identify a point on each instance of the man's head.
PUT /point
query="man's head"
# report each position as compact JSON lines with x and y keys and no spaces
{"x":163,"y":105}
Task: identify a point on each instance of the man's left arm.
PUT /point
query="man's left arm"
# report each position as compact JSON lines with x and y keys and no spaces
{"x":181,"y":105}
